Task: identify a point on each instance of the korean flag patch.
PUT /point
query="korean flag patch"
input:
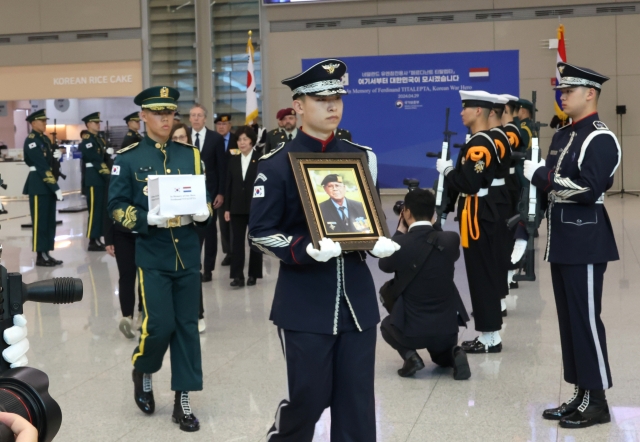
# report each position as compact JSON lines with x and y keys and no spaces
{"x":115,"y":170}
{"x":32,"y":145}
{"x":258,"y":191}
{"x":89,"y":145}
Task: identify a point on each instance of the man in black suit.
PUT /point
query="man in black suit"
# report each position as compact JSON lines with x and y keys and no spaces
{"x":429,"y":310}
{"x":339,"y":214}
{"x":211,"y":145}
{"x":223,"y":127}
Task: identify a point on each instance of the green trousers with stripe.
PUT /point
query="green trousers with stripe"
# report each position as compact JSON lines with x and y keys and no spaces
{"x":171,"y":303}
{"x":96,"y":207}
{"x":43,"y":220}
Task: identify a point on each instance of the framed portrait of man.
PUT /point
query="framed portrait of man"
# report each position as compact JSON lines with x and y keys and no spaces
{"x":339,"y":199}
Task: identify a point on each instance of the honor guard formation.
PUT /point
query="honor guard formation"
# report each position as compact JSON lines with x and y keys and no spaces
{"x":326,"y":305}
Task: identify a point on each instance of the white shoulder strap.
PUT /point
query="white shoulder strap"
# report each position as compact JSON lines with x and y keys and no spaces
{"x":591,"y":136}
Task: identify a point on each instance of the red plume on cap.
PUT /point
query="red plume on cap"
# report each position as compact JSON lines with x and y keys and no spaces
{"x":284,"y":112}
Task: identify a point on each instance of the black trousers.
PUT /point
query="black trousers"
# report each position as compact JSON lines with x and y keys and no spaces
{"x":327,"y":371}
{"x":124,"y":244}
{"x":225,"y":233}
{"x":208,"y":236}
{"x":239,"y":225}
{"x":439,"y":347}
{"x":578,"y":293}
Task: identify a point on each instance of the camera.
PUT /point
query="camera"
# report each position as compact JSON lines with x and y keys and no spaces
{"x":24,"y":390}
{"x":412,"y":184}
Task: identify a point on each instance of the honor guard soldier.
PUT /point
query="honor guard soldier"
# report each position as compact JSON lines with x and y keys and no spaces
{"x":288,"y":122}
{"x":471,"y":179}
{"x":580,"y":243}
{"x":167,"y":256}
{"x":325,"y":304}
{"x":96,"y":177}
{"x":42,"y":188}
{"x":133,"y":134}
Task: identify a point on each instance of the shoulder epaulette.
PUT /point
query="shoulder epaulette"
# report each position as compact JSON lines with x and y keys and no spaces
{"x":273,"y":152}
{"x":186,"y":145}
{"x":523,"y":124}
{"x":600,"y":125}
{"x":357,"y":145}
{"x":32,"y":136}
{"x":344,"y":130}
{"x":130,"y":133}
{"x":129,"y":147}
{"x":86,"y":136}
{"x":275,"y":131}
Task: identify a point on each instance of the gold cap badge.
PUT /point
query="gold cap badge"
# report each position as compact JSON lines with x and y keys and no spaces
{"x":330,"y":68}
{"x":164,"y":92}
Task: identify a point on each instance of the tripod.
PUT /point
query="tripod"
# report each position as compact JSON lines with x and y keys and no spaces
{"x":621,"y":110}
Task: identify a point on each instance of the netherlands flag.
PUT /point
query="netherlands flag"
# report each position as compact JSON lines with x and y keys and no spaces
{"x":186,"y":189}
{"x":478,"y":72}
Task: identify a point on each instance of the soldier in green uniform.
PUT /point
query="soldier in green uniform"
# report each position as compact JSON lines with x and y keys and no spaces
{"x":132,"y":135}
{"x":287,"y":130}
{"x":526,"y":133}
{"x":167,"y":256}
{"x":42,"y":188}
{"x":96,"y":177}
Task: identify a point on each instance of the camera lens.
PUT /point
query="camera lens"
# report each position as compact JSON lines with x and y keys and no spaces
{"x":397,"y":207}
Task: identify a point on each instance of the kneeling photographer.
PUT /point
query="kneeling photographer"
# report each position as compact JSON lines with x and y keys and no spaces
{"x":423,"y":301}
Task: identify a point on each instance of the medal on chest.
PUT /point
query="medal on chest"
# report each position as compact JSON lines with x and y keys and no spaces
{"x":145,"y":190}
{"x":479,"y":167}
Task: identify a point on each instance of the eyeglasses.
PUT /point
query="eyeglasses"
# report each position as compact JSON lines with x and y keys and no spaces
{"x":179,"y":138}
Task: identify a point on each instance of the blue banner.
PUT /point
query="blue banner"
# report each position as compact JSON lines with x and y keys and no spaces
{"x":396,"y":104}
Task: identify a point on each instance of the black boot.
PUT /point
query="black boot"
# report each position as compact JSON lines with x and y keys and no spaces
{"x":182,"y":413}
{"x":51,"y":258}
{"x":42,"y":261}
{"x":95,"y":246}
{"x":237,"y":282}
{"x":593,"y":410}
{"x":461,"y":370}
{"x":411,"y":364}
{"x":143,"y":391}
{"x":555,"y":414}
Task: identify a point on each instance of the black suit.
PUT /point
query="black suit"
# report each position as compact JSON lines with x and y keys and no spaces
{"x":213,"y":156}
{"x":237,"y":201}
{"x":334,"y":222}
{"x":225,"y":227}
{"x":426,"y":313}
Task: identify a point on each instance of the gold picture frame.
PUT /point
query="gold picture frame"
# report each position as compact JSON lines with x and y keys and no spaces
{"x":339,"y":198}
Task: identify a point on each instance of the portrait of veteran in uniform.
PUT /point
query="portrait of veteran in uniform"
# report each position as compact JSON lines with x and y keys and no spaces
{"x":339,"y":213}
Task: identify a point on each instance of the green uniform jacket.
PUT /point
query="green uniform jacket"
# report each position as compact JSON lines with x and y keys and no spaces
{"x":526,"y":132}
{"x":274,"y":138}
{"x":158,"y":248}
{"x":96,"y":171}
{"x":131,"y":137}
{"x":38,"y":154}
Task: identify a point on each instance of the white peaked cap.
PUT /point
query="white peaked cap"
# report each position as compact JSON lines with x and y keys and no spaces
{"x":510,"y":97}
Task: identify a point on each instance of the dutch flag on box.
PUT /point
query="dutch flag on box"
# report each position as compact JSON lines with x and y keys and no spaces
{"x":479,"y":73}
{"x":186,"y":189}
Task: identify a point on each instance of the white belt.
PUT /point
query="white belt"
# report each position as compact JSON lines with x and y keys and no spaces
{"x":561,"y":201}
{"x":481,"y":193}
{"x":32,"y":168}
{"x":88,"y":165}
{"x":498,"y":182}
{"x":512,"y":170}
{"x":178,"y":221}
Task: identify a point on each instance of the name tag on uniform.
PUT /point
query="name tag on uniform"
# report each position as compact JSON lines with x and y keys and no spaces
{"x":88,"y":145}
{"x":258,"y":191}
{"x":553,"y":152}
{"x":32,"y":145}
{"x":115,"y":170}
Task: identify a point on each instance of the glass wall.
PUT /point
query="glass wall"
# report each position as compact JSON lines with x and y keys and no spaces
{"x":231,"y":21}
{"x":172,"y":39}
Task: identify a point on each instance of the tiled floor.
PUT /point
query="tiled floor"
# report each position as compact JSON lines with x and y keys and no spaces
{"x":88,"y":360}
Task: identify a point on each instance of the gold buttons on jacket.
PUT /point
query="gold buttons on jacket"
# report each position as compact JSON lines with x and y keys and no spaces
{"x":168,"y":170}
{"x":158,"y":146}
{"x":176,"y":240}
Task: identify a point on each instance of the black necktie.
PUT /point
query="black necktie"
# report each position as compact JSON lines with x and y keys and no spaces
{"x":342,"y":214}
{"x":198,"y":141}
{"x":290,"y":137}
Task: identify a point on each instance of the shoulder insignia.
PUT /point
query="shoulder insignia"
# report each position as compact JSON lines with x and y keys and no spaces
{"x":130,"y":133}
{"x":357,"y":145}
{"x":600,"y":125}
{"x":32,"y":136}
{"x":86,"y":136}
{"x":523,"y":124}
{"x":273,"y":152}
{"x":129,"y":147}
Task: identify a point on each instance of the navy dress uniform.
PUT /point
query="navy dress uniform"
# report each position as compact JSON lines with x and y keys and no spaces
{"x":343,"y":134}
{"x":43,"y":191}
{"x":580,"y":243}
{"x":96,"y":178}
{"x":131,"y":136}
{"x":167,"y":257}
{"x":479,"y":218}
{"x":326,"y":312}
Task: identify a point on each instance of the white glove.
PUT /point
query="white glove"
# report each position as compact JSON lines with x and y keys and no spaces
{"x":385,"y":247}
{"x":59,"y":195}
{"x":443,"y":165}
{"x":518,"y":250}
{"x":202,"y":216}
{"x":153,"y":219}
{"x":110,"y":150}
{"x":530,"y":168}
{"x":16,"y":337}
{"x":57,"y":154}
{"x":328,"y":249}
